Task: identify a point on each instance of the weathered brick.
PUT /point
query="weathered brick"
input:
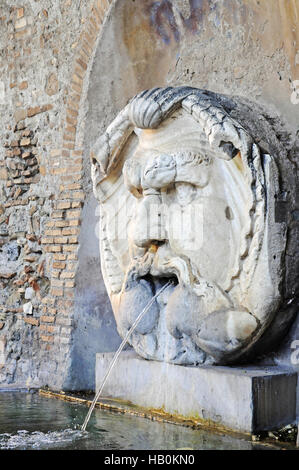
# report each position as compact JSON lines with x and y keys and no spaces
{"x":31,"y":258}
{"x":21,"y":23}
{"x":31,"y":321}
{"x":65,"y":321}
{"x":20,"y":12}
{"x":59,"y":265}
{"x":70,"y":284}
{"x":70,"y":231}
{"x":53,"y":233}
{"x":62,"y":223}
{"x":38,"y":109}
{"x":69,"y":145}
{"x":48,"y":328}
{"x":63,"y":205}
{"x":77,"y":79}
{"x":55,"y":276}
{"x":53,"y":249}
{"x":74,"y":186}
{"x":75,"y":169}
{"x":25,"y":141}
{"x":51,"y":223}
{"x":93,"y":22}
{"x":78,"y":195}
{"x":82,"y":64}
{"x":23,"y":85}
{"x":64,"y":306}
{"x":78,"y":71}
{"x":47,"y":319}
{"x":73,"y":214}
{"x":26,"y":155}
{"x":67,"y":275}
{"x":72,"y":177}
{"x":83,"y":54}
{"x":56,"y":282}
{"x":22,"y":34}
{"x":76,"y":87}
{"x":67,"y":248}
{"x":47,"y":240}
{"x":98,"y":15}
{"x":69,"y":137}
{"x":70,"y":130}
{"x":57,"y":214}
{"x":3,"y":174}
{"x":48,"y":301}
{"x":74,"y":223}
{"x":61,"y":240}
{"x":55,"y":153}
{"x":57,"y":292}
{"x":58,"y":171}
{"x":59,"y":257}
{"x":48,"y":339}
{"x":77,"y":153}
{"x":72,"y":256}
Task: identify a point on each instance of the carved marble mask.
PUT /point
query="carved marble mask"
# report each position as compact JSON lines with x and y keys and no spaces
{"x":186,"y":194}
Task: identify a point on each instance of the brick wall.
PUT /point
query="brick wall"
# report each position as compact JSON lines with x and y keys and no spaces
{"x":45,"y":49}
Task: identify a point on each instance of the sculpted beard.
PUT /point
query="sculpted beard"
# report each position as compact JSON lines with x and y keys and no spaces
{"x":182,"y":307}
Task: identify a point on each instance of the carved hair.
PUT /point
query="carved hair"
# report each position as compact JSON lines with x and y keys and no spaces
{"x":148,"y":109}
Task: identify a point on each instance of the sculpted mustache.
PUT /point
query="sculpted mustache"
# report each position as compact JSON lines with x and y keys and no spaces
{"x":179,"y":266}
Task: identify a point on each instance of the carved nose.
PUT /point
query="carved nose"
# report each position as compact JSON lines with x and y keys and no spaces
{"x":150,"y":223}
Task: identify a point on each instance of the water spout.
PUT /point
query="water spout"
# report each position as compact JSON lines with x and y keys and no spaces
{"x":130,"y":331}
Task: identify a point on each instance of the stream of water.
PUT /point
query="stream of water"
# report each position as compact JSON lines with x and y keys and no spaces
{"x":121,"y":347}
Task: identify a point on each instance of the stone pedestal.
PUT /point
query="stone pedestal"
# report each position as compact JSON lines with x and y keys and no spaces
{"x":247,"y":399}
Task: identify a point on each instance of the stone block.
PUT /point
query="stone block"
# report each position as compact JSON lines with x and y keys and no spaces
{"x":247,"y":399}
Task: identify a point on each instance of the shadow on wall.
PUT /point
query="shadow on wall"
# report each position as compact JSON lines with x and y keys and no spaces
{"x":95,"y":328}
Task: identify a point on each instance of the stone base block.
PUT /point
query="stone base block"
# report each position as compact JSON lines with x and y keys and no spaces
{"x":244,"y":399}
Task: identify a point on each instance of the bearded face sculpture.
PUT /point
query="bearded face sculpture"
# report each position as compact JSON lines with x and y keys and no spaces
{"x":186,"y":194}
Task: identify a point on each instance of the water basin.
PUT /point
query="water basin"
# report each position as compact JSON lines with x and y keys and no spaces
{"x":32,"y":421}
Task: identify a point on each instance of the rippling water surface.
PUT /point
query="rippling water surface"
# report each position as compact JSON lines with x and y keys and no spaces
{"x":31,"y":421}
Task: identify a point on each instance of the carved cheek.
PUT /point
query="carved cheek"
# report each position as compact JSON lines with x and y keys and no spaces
{"x":203,"y":175}
{"x":198,"y":175}
{"x":132,"y":178}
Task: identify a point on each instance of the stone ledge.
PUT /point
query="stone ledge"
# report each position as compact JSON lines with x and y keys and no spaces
{"x":247,"y":399}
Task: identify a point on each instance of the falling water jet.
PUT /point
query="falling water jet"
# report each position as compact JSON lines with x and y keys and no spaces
{"x":140,"y":316}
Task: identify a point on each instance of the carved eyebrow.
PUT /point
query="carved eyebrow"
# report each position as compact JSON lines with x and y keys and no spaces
{"x":184,"y":158}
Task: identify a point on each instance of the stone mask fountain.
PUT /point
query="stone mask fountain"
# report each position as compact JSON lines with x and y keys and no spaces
{"x":191,"y":237}
{"x":186,"y":194}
